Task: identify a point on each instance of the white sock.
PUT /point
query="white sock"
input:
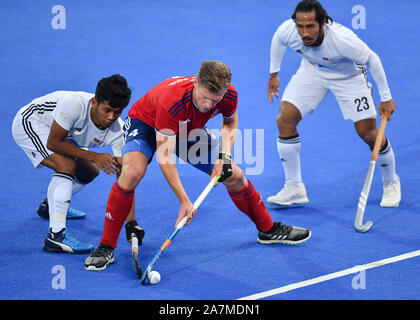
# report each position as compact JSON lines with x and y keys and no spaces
{"x":59,"y":196}
{"x":386,"y":163}
{"x":77,"y":186}
{"x":289,"y":152}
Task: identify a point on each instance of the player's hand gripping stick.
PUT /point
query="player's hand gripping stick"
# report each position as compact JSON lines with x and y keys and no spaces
{"x":178,"y":228}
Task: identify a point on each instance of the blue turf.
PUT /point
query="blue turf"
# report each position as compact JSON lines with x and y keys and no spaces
{"x":217,"y":256}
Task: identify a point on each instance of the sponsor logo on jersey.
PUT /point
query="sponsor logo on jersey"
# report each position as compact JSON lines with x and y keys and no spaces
{"x":64,"y":117}
{"x":97,"y":141}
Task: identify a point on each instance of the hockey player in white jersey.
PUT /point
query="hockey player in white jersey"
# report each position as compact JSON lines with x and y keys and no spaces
{"x":57,"y":131}
{"x":333,"y":59}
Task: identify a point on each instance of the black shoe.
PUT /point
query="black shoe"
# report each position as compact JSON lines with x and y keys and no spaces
{"x":43,"y":209}
{"x":99,"y":259}
{"x":280,"y":233}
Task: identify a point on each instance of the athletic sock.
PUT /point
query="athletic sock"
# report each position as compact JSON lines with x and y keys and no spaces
{"x":289,"y":153}
{"x":78,"y":185}
{"x":249,"y":201}
{"x":59,"y":196}
{"x":386,"y":163}
{"x":117,"y":210}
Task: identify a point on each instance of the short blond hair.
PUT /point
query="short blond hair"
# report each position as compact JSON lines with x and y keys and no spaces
{"x":214,"y":76}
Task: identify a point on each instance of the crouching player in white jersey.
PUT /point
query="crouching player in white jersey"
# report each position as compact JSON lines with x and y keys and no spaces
{"x":333,"y":59}
{"x":56,"y":131}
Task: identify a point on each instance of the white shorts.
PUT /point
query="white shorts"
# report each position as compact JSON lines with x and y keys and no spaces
{"x":32,"y":137}
{"x":307,"y":89}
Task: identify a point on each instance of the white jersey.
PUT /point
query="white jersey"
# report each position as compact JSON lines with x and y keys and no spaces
{"x":340,"y":55}
{"x":71,"y":110}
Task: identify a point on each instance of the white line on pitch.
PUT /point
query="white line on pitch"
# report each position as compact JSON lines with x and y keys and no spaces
{"x":330,"y":276}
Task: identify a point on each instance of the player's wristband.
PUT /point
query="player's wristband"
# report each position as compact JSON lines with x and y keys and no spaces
{"x":225,"y":156}
{"x":227,"y":165}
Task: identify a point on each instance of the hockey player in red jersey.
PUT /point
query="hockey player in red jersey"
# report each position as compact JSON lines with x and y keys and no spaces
{"x":163,"y":121}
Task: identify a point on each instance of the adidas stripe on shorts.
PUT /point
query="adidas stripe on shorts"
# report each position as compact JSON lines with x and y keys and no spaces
{"x":32,"y":135}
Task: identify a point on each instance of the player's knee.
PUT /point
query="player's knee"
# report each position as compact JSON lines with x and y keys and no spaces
{"x":132,"y":171}
{"x":287,"y":120}
{"x":280,"y":121}
{"x":86,"y":171}
{"x":369,"y":138}
{"x":285,"y":126}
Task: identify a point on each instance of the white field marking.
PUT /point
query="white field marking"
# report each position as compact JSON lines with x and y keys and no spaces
{"x":330,"y":276}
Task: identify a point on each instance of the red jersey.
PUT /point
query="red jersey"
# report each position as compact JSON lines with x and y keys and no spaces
{"x":170,"y":104}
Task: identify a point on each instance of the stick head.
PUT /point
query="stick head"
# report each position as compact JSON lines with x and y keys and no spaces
{"x":363,"y":227}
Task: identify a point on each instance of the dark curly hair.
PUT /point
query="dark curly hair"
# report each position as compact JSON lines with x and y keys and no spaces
{"x":114,"y":90}
{"x":309,"y":5}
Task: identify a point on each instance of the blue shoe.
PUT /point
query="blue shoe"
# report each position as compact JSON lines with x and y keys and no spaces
{"x":75,"y":214}
{"x":64,"y":242}
{"x":71,"y":213}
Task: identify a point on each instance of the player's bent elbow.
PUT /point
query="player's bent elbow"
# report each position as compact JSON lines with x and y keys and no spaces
{"x":51,"y":146}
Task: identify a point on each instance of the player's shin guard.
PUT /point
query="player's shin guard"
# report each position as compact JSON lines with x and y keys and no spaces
{"x":117,"y":210}
{"x":78,"y":185}
{"x":249,"y":201}
{"x":386,"y":163}
{"x":59,"y":196}
{"x":289,"y":153}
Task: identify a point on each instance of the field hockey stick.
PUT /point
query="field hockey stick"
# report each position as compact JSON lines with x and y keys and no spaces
{"x":361,"y":206}
{"x":135,"y":253}
{"x":178,"y":228}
